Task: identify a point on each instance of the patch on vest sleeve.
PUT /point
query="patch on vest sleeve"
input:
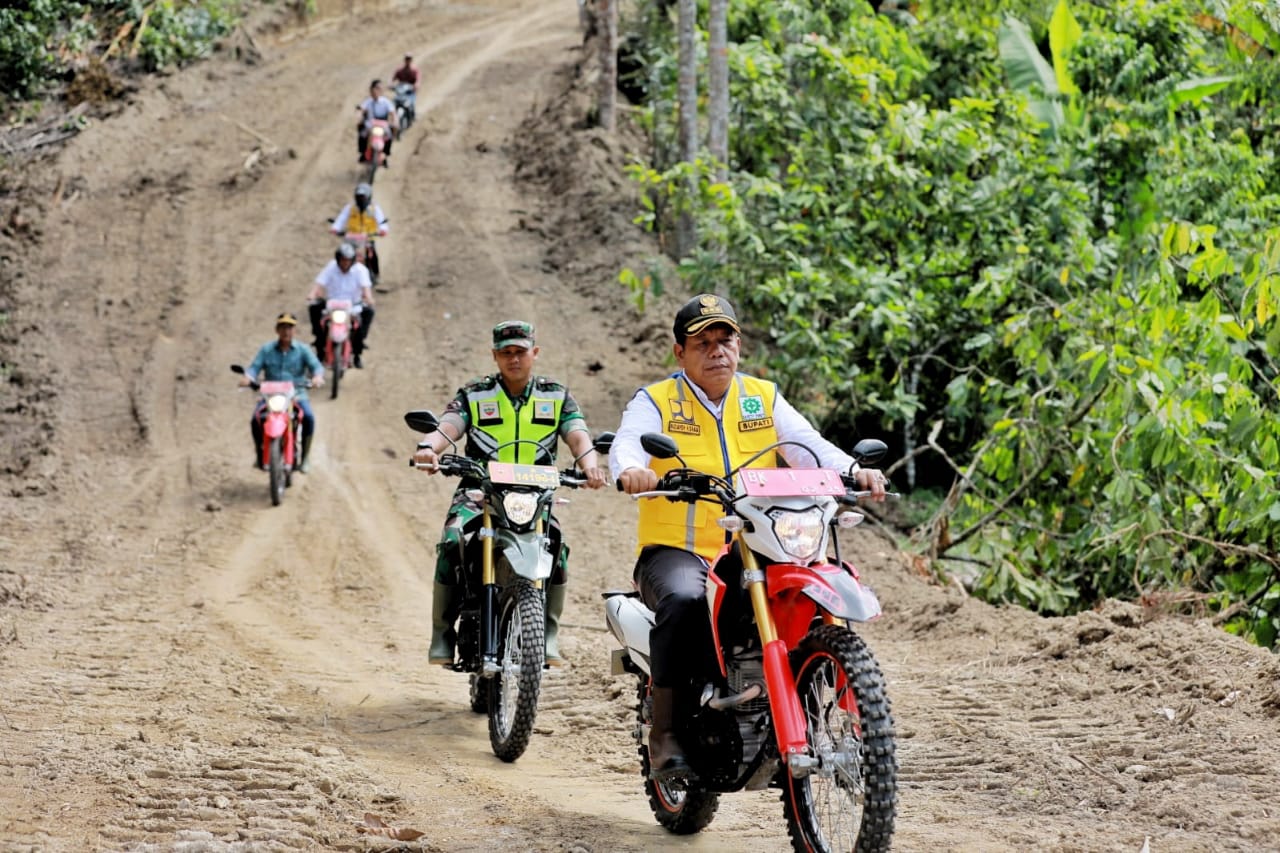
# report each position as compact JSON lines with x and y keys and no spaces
{"x":758,"y":423}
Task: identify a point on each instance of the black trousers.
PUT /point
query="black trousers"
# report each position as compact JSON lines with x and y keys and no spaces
{"x":673,"y":584}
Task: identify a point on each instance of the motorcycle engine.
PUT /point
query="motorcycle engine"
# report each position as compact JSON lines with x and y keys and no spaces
{"x":745,"y":668}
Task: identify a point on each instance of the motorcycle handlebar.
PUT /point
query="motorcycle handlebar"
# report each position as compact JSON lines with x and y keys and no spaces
{"x":455,"y":466}
{"x":572,"y":478}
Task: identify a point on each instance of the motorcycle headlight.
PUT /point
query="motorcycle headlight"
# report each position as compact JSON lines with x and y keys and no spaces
{"x":800,"y":532}
{"x":338,"y":318}
{"x":277,"y":402}
{"x":520,"y":506}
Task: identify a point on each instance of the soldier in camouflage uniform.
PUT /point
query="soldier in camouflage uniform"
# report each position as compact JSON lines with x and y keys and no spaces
{"x":512,"y":403}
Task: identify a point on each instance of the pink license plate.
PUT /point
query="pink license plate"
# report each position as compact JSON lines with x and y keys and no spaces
{"x":543,"y":476}
{"x":791,"y":482}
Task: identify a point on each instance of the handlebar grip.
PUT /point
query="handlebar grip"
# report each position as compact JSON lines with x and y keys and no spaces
{"x":618,"y":482}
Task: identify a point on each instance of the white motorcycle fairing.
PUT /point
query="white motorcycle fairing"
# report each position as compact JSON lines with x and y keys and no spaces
{"x":630,"y":622}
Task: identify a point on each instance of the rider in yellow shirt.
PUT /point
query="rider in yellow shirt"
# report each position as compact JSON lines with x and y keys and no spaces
{"x":362,"y":217}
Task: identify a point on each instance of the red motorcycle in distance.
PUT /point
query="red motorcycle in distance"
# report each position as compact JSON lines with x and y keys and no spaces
{"x":340,"y":321}
{"x":281,"y":419}
{"x":375,"y":147}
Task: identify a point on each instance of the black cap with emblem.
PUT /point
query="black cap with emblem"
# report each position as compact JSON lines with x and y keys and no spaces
{"x":702,"y":311}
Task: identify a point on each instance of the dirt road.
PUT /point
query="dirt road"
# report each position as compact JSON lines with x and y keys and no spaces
{"x":183,"y":667}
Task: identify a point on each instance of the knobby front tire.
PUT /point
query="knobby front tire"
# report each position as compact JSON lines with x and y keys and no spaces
{"x":276,"y":466}
{"x":849,"y":803}
{"x":513,"y":692}
{"x":479,"y":694}
{"x":337,"y":374}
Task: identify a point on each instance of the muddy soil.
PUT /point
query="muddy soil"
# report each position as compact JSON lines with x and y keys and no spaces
{"x":184,"y":667}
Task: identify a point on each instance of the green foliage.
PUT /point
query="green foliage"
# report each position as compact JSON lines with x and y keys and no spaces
{"x":916,"y":252}
{"x":181,"y":30}
{"x":27,"y":31}
{"x":37,"y":37}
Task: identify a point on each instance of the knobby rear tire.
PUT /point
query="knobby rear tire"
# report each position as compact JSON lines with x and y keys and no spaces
{"x":276,"y":465}
{"x":680,"y":809}
{"x":835,"y":667}
{"x":513,"y":692}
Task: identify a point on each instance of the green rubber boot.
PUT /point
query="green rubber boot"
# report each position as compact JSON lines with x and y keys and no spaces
{"x":305,"y":465}
{"x":444,"y":599}
{"x":555,"y":607}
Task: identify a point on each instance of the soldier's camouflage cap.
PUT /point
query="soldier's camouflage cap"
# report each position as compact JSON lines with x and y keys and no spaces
{"x":513,"y":333}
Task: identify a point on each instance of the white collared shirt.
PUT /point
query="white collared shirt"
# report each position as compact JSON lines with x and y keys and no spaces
{"x":350,"y":285}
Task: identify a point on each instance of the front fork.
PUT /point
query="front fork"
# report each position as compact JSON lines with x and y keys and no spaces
{"x":490,"y":593}
{"x":788,"y":716}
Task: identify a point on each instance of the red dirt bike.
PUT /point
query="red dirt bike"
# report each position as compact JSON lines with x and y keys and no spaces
{"x":375,"y":144}
{"x":281,"y":419}
{"x":799,"y":701}
{"x":340,"y":320}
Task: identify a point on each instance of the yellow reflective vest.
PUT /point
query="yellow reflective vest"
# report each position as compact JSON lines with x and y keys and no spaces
{"x":708,"y":444}
{"x":495,"y":421}
{"x":362,"y":222}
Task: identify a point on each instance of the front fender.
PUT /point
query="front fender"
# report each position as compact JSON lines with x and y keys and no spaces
{"x":526,"y":552}
{"x":854,"y":602}
{"x":275,"y":424}
{"x":798,"y":592}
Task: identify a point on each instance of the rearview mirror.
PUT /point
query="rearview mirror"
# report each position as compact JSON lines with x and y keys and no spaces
{"x":603,"y":442}
{"x":421,"y":420}
{"x":869,"y":451}
{"x":659,"y":446}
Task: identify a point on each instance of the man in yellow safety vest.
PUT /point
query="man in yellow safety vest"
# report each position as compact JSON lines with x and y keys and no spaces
{"x":719,"y":418}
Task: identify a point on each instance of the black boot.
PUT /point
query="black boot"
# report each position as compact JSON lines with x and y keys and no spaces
{"x":666,"y":758}
{"x":444,"y":602}
{"x":304,"y":464}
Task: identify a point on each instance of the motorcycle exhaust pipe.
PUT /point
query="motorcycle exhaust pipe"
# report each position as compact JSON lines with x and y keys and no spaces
{"x":722,"y":703}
